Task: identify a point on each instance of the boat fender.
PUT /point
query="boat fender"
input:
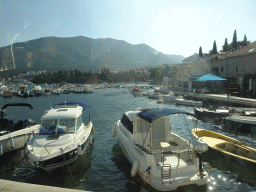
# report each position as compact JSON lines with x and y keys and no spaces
{"x":93,"y":130}
{"x":200,"y":146}
{"x":134,"y":168}
{"x":79,"y":150}
{"x":114,"y":131}
{"x":1,"y":150}
{"x":12,"y":142}
{"x":22,"y":153}
{"x":90,"y":139}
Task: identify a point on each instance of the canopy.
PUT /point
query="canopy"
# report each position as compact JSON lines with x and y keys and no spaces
{"x":82,"y":104}
{"x":156,"y":113}
{"x":210,"y":78}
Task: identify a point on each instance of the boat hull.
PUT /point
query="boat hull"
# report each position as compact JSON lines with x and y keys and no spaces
{"x":227,"y":148}
{"x":63,"y":159}
{"x":64,"y":150}
{"x":188,"y":102}
{"x":232,"y":158}
{"x":17,"y":139}
{"x":211,"y":115}
{"x":134,"y":152}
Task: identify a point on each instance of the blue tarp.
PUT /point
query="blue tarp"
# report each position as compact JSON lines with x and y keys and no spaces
{"x":156,"y":113}
{"x":210,"y":78}
{"x":82,"y":104}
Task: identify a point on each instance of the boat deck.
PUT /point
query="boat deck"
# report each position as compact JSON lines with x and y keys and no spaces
{"x":175,"y":160}
{"x":213,"y":141}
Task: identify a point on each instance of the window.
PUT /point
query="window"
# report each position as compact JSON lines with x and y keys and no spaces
{"x":221,"y":69}
{"x":49,"y":124}
{"x":236,"y":69}
{"x":127,"y":123}
{"x":79,"y":122}
{"x":68,"y":125}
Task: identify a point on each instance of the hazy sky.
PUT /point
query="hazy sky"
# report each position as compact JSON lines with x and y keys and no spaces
{"x":169,"y":26}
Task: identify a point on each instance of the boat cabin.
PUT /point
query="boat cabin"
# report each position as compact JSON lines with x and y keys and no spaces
{"x":152,"y":133}
{"x":62,"y":119}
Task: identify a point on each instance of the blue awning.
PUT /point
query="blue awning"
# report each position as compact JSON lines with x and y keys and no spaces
{"x":210,"y":78}
{"x":156,"y":113}
{"x":82,"y":104}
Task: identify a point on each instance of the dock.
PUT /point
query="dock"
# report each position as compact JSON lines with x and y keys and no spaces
{"x":14,"y":186}
{"x":221,"y":99}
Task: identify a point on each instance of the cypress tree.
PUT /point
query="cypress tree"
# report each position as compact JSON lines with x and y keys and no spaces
{"x":245,"y":42}
{"x":200,"y":52}
{"x":214,"y":49}
{"x":234,"y":43}
{"x":225,"y":46}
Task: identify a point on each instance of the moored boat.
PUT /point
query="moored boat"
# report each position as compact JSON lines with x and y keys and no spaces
{"x":14,"y":135}
{"x":239,"y":123}
{"x":136,"y":91}
{"x":160,"y":157}
{"x":227,"y":148}
{"x":170,"y":97}
{"x":211,"y":114}
{"x":62,"y":138}
{"x":182,"y":101}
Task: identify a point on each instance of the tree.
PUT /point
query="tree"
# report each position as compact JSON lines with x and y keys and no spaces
{"x":225,"y":46}
{"x":245,"y":42}
{"x":214,"y":49}
{"x":234,"y":42}
{"x":200,"y":52}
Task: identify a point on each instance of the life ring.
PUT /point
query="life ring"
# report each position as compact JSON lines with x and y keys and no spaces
{"x":135,"y":167}
{"x":114,"y":131}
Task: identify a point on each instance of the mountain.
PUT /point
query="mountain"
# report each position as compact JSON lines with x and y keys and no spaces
{"x":54,"y":53}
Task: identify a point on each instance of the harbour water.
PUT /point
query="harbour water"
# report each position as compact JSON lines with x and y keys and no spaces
{"x":104,"y":166}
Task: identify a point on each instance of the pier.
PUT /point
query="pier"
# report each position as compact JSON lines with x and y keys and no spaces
{"x":13,"y":186}
{"x":220,"y":99}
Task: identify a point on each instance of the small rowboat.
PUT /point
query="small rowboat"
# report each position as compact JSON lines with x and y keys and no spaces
{"x":210,"y":113}
{"x":227,"y":148}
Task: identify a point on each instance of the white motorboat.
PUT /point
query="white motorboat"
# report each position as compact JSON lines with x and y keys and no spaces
{"x":136,"y":91}
{"x":37,"y":90}
{"x":6,"y":93}
{"x":160,"y":157}
{"x":144,"y":93}
{"x":56,"y":91}
{"x":182,"y":101}
{"x":170,"y":97}
{"x":15,"y":135}
{"x":62,"y":138}
{"x":154,"y":96}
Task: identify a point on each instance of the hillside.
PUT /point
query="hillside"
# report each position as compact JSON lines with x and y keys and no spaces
{"x":53,"y":53}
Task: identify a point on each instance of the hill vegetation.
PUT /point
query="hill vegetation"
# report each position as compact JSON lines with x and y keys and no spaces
{"x":53,"y":53}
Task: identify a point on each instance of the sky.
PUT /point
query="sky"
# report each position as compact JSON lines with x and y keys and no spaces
{"x":169,"y":26}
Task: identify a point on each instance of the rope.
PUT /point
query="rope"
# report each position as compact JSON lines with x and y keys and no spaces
{"x":68,"y":166}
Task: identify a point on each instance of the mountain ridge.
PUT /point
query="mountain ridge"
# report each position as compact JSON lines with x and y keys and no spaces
{"x":59,"y":53}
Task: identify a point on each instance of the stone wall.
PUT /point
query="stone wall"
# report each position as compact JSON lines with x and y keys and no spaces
{"x":235,"y":66}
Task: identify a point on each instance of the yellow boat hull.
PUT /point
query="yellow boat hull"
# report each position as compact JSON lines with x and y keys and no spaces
{"x":227,"y":148}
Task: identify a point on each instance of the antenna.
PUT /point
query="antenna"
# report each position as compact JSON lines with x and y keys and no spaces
{"x":50,"y":101}
{"x":89,"y":114}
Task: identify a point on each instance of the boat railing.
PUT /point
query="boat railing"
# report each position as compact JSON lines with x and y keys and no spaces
{"x":46,"y":145}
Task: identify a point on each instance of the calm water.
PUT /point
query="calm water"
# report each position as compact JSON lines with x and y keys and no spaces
{"x":104,"y":166}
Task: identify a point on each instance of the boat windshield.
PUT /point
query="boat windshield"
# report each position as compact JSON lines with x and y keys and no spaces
{"x":59,"y":126}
